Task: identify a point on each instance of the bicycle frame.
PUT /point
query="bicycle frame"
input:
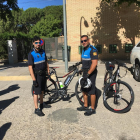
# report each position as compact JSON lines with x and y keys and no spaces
{"x":115,"y":77}
{"x":115,"y":74}
{"x":75,"y":71}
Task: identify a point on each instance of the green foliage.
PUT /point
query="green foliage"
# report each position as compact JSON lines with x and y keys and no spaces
{"x":20,"y":37}
{"x":44,"y":22}
{"x":49,"y":27}
{"x":55,"y":11}
{"x":23,"y":25}
{"x":11,"y":25}
{"x":5,"y":8}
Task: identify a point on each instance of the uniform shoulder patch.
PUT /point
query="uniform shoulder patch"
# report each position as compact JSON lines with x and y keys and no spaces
{"x":94,"y":53}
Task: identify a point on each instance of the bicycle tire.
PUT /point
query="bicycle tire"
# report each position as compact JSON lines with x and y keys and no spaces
{"x":32,"y":90}
{"x":51,"y":89}
{"x":115,"y":107}
{"x":79,"y":94}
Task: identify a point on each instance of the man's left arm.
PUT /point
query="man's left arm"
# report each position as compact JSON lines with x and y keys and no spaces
{"x":93,"y":66}
{"x":94,"y":61}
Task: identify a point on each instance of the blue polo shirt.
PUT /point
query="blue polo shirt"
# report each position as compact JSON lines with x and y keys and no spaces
{"x":37,"y":59}
{"x":89,"y":53}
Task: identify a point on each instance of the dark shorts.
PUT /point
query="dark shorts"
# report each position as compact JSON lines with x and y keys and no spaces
{"x":92,"y":77}
{"x":41,"y":80}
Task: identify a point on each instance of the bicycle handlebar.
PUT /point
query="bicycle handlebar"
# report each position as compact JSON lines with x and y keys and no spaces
{"x":74,"y":66}
{"x":121,"y":64}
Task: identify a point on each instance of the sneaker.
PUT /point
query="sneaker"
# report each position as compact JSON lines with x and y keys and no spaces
{"x":89,"y":112}
{"x":82,"y":108}
{"x":39,"y":112}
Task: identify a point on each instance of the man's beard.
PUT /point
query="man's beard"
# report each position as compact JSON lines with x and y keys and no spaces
{"x":37,"y":48}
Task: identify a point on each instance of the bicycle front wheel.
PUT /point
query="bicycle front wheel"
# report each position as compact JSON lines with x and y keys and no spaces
{"x":120,"y":98}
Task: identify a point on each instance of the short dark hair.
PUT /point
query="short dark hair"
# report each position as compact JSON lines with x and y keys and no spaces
{"x":84,"y":36}
{"x":35,"y":38}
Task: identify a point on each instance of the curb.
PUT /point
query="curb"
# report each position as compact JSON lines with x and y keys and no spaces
{"x":28,"y":77}
{"x":15,"y":78}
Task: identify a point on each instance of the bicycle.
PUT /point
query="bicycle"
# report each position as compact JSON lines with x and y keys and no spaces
{"x":53,"y":88}
{"x":114,"y":96}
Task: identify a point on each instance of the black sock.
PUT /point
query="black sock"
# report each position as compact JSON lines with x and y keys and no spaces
{"x":41,"y":106}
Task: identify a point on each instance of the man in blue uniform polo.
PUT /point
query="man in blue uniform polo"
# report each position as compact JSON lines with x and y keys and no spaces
{"x":89,"y":67}
{"x":37,"y":64}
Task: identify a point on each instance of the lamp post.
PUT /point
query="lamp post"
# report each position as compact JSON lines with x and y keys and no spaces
{"x":86,"y":25}
{"x":65,"y":36}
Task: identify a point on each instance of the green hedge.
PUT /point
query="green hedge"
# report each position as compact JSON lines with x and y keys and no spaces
{"x":20,"y":37}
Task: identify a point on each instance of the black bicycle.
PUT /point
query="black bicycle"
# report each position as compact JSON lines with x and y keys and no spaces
{"x":118,"y":96}
{"x":53,"y":88}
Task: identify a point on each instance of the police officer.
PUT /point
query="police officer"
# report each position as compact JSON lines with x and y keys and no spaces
{"x":37,"y":64}
{"x":89,"y":67}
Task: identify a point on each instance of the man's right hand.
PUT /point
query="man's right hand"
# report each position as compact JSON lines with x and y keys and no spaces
{"x":35,"y":83}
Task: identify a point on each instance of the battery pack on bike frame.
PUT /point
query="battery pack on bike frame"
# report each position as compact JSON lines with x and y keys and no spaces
{"x":66,"y":82}
{"x":109,"y":66}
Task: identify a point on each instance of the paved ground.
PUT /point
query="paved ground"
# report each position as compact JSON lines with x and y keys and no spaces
{"x":62,"y":121}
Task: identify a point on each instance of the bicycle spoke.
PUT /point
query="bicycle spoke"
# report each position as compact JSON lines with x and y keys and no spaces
{"x":121,"y":99}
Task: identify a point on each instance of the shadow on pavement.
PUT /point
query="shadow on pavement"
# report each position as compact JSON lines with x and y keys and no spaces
{"x":19,"y":64}
{"x":98,"y":95}
{"x":131,"y":70}
{"x":125,"y":137}
{"x":9,"y":89}
{"x":3,"y":129}
{"x":51,"y":62}
{"x":6,"y":103}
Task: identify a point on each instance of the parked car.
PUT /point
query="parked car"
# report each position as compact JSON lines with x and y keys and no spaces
{"x":135,"y":60}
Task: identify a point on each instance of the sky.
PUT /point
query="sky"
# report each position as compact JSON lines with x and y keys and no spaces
{"x":25,"y":4}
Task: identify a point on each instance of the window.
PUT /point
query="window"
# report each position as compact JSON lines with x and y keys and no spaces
{"x":128,"y":48}
{"x":113,"y":48}
{"x":80,"y":49}
{"x":99,"y":48}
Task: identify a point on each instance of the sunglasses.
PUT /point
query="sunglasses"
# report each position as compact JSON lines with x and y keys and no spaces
{"x":83,"y":41}
{"x":37,"y":43}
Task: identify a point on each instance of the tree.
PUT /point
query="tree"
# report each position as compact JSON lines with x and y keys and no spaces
{"x":48,"y":26}
{"x":11,"y":24}
{"x":30,"y":17}
{"x":5,"y":8}
{"x":120,"y":2}
{"x":55,"y":11}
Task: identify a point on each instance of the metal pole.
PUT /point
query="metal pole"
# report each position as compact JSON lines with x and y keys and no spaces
{"x":65,"y":36}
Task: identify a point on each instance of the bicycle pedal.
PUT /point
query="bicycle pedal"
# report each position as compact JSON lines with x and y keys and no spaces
{"x":65,"y":96}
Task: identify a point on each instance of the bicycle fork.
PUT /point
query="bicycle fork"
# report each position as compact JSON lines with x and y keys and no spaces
{"x":117,"y":96}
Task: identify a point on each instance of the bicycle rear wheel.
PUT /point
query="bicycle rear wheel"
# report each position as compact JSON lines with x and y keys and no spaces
{"x":107,"y":78}
{"x":51,"y":87}
{"x":79,"y":94}
{"x":120,"y":99}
